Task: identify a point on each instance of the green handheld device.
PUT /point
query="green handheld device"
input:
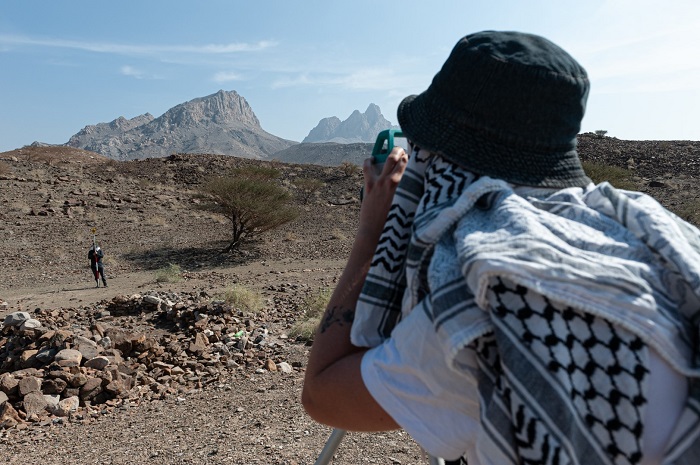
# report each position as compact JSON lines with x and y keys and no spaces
{"x":382,"y":147}
{"x":384,"y":144}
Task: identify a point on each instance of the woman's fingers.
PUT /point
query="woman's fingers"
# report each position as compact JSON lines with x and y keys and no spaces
{"x":395,"y":164}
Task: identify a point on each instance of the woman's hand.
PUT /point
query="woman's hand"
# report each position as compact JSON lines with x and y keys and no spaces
{"x":379,"y":191}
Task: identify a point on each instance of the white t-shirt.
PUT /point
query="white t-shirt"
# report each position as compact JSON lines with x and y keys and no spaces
{"x":409,"y":377}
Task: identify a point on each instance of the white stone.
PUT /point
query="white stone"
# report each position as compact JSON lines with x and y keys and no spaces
{"x":52,"y":401}
{"x":16,"y":318}
{"x":68,"y":358}
{"x":98,"y":363}
{"x":151,"y":299}
{"x":285,"y":367}
{"x":67,"y":405}
{"x":30,"y":324}
{"x":84,"y":340}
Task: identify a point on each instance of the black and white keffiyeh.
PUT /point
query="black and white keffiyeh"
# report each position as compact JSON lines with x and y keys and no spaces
{"x":560,"y":295}
{"x":428,"y":184}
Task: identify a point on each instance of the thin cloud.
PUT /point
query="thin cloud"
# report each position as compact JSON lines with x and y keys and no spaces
{"x":128,"y":70}
{"x":132,"y":72}
{"x":649,"y":60}
{"x":137,"y":49}
{"x":360,"y":80}
{"x":227,"y":76}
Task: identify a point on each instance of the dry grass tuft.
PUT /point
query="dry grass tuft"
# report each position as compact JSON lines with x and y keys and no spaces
{"x":243,"y":299}
{"x":169,"y":274}
{"x":314,"y":306}
{"x":620,"y":178}
{"x":690,"y":211}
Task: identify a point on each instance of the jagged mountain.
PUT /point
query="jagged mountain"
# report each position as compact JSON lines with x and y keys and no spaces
{"x":222,"y":123}
{"x":359,"y":127}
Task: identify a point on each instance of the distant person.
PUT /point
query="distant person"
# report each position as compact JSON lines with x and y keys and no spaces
{"x":95,"y":256}
{"x":498,"y":305}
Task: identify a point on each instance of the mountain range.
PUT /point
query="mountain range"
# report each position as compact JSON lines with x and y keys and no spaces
{"x":359,"y":127}
{"x":224,"y":124}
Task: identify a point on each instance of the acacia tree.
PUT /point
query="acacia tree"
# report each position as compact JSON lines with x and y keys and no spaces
{"x":252,"y":201}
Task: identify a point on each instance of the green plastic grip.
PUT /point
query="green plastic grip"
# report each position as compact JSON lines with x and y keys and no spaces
{"x":384,"y":144}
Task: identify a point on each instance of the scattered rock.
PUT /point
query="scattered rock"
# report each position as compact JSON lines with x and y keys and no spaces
{"x":16,"y":318}
{"x":53,"y":370}
{"x":68,"y":358}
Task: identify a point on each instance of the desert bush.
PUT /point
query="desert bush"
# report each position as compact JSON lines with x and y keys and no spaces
{"x":156,"y":220}
{"x":690,"y":211}
{"x":251,"y":200}
{"x":620,"y":178}
{"x":308,"y":187}
{"x":338,"y":234}
{"x":243,"y":299}
{"x":169,"y":274}
{"x":5,"y":168}
{"x":314,"y":306}
{"x":600,"y":133}
{"x":349,"y":169}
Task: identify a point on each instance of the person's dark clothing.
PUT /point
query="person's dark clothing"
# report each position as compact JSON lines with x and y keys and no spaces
{"x":95,"y":258}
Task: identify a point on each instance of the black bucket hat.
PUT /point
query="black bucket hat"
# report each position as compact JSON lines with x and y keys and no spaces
{"x":506,"y":105}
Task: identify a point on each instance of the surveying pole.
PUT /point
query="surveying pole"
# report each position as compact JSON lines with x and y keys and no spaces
{"x":94,"y":254}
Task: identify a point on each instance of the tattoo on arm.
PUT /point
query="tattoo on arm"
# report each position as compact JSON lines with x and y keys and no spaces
{"x":337,"y":316}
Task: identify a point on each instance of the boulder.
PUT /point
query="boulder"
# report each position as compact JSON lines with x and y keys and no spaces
{"x":28,"y":385}
{"x":16,"y":319}
{"x":34,"y":403}
{"x":66,"y":406}
{"x":68,"y":358}
{"x":8,"y":416}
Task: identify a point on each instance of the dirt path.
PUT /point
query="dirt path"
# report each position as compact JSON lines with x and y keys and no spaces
{"x":71,"y":293}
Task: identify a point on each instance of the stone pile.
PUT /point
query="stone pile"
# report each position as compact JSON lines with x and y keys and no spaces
{"x":56,"y":362}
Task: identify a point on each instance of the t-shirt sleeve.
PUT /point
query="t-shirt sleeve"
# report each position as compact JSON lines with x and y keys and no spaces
{"x":409,"y":377}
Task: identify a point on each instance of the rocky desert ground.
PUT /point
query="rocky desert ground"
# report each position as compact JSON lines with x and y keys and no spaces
{"x":153,"y":370}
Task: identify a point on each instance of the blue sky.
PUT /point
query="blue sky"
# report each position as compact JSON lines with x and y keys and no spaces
{"x":67,"y":64}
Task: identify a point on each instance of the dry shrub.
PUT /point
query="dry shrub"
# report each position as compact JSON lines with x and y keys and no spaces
{"x":620,"y":178}
{"x":349,"y":169}
{"x":690,"y":211}
{"x":169,"y":274}
{"x":338,"y":234}
{"x":243,"y":299}
{"x":156,"y":220}
{"x":314,"y":306}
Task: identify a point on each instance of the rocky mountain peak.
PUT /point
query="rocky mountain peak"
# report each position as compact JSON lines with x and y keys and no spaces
{"x":358,"y":127}
{"x":227,"y":108}
{"x":221,"y":123}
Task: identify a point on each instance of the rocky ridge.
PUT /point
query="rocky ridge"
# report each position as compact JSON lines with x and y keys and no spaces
{"x":221,"y":123}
